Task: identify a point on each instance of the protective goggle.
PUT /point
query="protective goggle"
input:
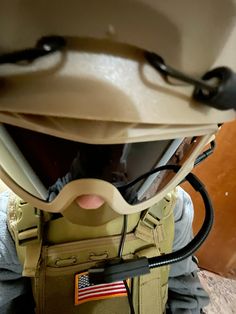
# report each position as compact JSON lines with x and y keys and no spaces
{"x":50,"y":172}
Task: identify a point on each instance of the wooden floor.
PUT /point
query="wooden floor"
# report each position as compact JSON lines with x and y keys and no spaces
{"x":222,"y":293}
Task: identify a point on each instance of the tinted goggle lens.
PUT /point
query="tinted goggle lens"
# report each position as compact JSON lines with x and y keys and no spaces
{"x":56,"y":162}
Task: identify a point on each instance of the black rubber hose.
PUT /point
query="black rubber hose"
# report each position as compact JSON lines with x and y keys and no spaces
{"x":199,"y":238}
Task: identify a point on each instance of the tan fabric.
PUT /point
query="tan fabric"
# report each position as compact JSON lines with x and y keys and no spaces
{"x":150,"y":293}
{"x":63,"y":256}
{"x":74,"y":233}
{"x":32,"y":256}
{"x":55,"y":276}
{"x":25,"y":228}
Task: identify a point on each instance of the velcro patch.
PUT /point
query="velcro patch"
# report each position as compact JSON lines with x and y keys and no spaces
{"x":84,"y":291}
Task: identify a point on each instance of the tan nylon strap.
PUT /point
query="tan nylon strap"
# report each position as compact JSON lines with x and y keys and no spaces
{"x":155,"y":235}
{"x":24,"y":224}
{"x":150,"y":227}
{"x":150,"y":296}
{"x":32,"y":256}
{"x":24,"y":221}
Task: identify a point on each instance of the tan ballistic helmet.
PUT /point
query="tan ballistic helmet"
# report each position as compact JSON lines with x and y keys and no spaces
{"x":100,"y":89}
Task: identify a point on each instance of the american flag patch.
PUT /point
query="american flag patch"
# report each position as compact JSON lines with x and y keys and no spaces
{"x":84,"y":291}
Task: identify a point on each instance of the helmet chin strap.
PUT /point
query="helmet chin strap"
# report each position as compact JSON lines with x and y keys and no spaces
{"x":118,"y":269}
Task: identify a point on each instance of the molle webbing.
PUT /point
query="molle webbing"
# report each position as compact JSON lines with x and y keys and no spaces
{"x":82,"y":247}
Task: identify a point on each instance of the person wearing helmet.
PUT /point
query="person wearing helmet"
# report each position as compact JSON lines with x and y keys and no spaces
{"x":97,"y":132}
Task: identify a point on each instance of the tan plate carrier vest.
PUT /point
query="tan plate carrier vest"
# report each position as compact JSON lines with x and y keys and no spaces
{"x":53,"y":250}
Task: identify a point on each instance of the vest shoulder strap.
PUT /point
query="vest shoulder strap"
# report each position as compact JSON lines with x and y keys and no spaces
{"x":25,"y":225}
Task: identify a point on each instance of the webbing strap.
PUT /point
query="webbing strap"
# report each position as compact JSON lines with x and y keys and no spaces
{"x":150,"y":294}
{"x":150,"y":298}
{"x":32,"y":257}
{"x":150,"y":235}
{"x":24,"y":223}
{"x":150,"y":228}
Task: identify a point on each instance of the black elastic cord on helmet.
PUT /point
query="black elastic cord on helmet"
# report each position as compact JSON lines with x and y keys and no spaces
{"x":216,"y":88}
{"x":167,"y":71}
{"x":44,"y":46}
{"x":221,"y":94}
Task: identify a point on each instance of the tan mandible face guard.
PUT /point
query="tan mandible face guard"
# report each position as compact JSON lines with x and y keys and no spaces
{"x":109,"y":171}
